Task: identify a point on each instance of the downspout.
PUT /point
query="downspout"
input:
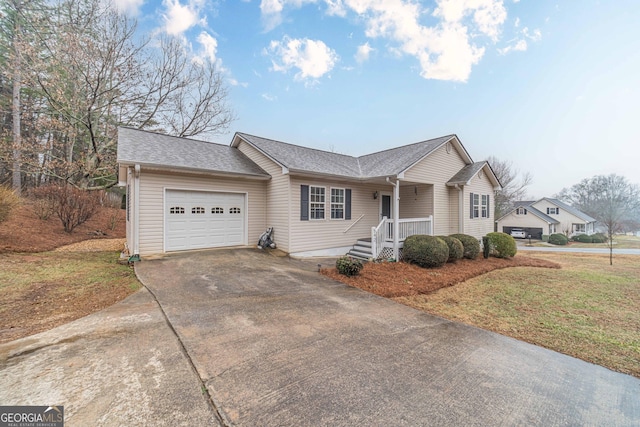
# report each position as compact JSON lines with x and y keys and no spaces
{"x":460,"y":208}
{"x":396,"y":216}
{"x":136,"y":214}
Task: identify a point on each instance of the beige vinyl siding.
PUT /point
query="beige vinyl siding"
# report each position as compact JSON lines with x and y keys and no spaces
{"x":529,"y":220}
{"x":478,"y":227}
{"x":277,"y":195}
{"x":454,"y":210}
{"x":330,"y":233}
{"x":152,"y":186}
{"x":416,"y":201}
{"x":437,"y":169}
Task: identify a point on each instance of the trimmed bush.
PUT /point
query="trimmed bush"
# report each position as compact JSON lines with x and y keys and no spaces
{"x":425,"y":251}
{"x":456,"y":249}
{"x":9,"y":200}
{"x":348,"y":266}
{"x":470,"y":244}
{"x":545,"y":237}
{"x":501,"y":245}
{"x":599,"y":238}
{"x":558,"y":239}
{"x":582,"y":238}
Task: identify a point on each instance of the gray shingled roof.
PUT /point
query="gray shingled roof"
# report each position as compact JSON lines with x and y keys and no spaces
{"x":466,"y":173}
{"x":154,"y":149}
{"x":384,"y":163}
{"x":571,"y":210}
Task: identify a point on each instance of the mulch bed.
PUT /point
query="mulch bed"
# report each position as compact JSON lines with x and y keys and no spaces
{"x":25,"y":232}
{"x":396,"y":279}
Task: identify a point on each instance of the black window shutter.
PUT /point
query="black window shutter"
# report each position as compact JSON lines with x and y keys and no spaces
{"x":304,"y":203}
{"x":347,"y":203}
{"x":525,"y":211}
{"x":471,"y":205}
{"x":558,"y":211}
{"x":547,"y":211}
{"x":488,"y":207}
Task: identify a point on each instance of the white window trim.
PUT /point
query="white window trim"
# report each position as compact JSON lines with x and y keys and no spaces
{"x":343,"y":204}
{"x":520,"y":211}
{"x":555,"y":211}
{"x":324,"y":204}
{"x":476,"y":206}
{"x":484,"y":206}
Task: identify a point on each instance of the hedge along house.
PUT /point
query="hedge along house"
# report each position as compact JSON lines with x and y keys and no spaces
{"x":184,"y":194}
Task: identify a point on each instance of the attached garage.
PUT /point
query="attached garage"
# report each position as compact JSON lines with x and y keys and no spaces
{"x":201,"y":219}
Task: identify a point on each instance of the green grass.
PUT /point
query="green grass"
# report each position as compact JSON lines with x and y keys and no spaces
{"x":587,"y":309}
{"x":619,"y":242}
{"x":62,"y":276}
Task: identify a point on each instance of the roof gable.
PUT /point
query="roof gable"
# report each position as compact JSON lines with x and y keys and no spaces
{"x":159,"y":150}
{"x":535,"y":212}
{"x":391,"y":162}
{"x":583,"y":216}
{"x":467,"y":173}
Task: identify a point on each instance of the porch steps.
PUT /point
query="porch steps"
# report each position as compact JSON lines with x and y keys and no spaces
{"x":361,"y":250}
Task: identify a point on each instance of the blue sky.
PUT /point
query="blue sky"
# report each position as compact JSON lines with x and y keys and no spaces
{"x":552,"y":86}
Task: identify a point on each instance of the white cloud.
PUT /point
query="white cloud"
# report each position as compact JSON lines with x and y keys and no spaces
{"x":536,"y":35}
{"x":446,"y":50}
{"x":517,"y":23}
{"x":363,"y":53}
{"x":209,"y":45}
{"x":128,"y":7}
{"x":518,"y":46}
{"x":312,"y":58}
{"x":179,"y":18}
{"x":269,"y":97}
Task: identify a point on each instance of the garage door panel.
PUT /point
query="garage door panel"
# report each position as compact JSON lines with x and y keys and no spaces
{"x":197,"y":220}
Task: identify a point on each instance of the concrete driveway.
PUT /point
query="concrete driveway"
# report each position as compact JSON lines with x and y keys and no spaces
{"x":279,"y":345}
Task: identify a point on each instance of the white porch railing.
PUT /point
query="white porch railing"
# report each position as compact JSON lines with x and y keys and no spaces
{"x":382,"y":235}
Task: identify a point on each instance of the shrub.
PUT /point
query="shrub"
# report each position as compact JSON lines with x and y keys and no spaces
{"x":470,"y":244}
{"x":558,"y":239}
{"x":456,"y":249}
{"x":8,"y":201}
{"x":501,"y":245}
{"x":582,"y":238}
{"x":72,"y":205}
{"x":426,"y":251}
{"x":348,"y":266}
{"x":545,"y":237}
{"x":599,"y":238}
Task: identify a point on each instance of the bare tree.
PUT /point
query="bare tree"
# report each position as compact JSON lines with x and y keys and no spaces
{"x":94,"y":74}
{"x":514,"y":185}
{"x":610,"y":199}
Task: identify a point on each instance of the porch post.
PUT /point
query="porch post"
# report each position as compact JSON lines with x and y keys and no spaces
{"x":396,"y":217}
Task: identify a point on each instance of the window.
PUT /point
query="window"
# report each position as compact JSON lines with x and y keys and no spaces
{"x":485,"y":206}
{"x":197,"y":210}
{"x":234,"y":210}
{"x":337,"y":203}
{"x":579,"y":228}
{"x":475,"y":207}
{"x":521,"y":211}
{"x":316,"y":202}
{"x":553,"y":211}
{"x":216,"y":211}
{"x":176,"y":210}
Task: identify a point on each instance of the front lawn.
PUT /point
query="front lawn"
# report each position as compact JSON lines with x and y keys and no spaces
{"x":39,"y":291}
{"x":588,"y":309}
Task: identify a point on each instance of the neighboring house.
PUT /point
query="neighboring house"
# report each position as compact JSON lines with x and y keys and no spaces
{"x":184,"y":194}
{"x":546,"y":216}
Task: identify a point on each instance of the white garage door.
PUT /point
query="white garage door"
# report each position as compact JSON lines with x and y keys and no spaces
{"x":198,"y":219}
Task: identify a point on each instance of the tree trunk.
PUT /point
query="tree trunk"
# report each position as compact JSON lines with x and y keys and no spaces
{"x":17,"y":83}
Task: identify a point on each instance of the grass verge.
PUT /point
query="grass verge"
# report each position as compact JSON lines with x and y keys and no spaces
{"x":42,"y":290}
{"x":587,"y":309}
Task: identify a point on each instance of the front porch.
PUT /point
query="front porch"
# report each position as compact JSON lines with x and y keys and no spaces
{"x":384,"y":241}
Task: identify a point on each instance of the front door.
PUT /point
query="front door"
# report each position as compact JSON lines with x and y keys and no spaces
{"x":385,"y":206}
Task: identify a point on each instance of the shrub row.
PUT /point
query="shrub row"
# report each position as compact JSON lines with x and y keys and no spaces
{"x":432,"y":251}
{"x":594,"y":238}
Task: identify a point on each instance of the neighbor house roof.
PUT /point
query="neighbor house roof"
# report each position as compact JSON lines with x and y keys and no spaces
{"x":570,"y":209}
{"x":158,"y":150}
{"x":391,"y":162}
{"x":533,"y":211}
